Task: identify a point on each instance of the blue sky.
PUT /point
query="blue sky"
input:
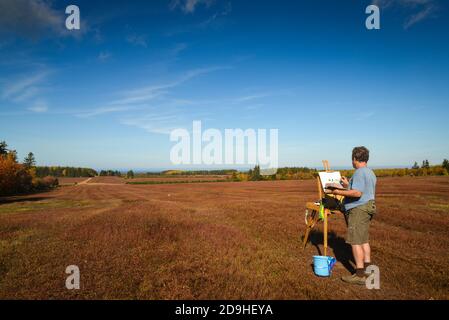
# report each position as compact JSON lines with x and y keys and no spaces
{"x":107,"y":96}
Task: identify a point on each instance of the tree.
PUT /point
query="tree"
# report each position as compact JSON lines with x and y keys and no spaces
{"x":14,"y":177}
{"x":425,"y":164}
{"x":3,"y":148}
{"x":254,"y":175}
{"x":29,"y":161}
{"x":130,"y":174}
{"x":415,"y":166}
{"x":445,"y":164}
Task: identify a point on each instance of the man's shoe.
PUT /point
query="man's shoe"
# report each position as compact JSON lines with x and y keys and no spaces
{"x":366,"y":267}
{"x":354,"y":279}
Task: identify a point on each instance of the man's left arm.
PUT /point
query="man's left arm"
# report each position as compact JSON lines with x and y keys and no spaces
{"x":353,"y":193}
{"x":358,"y":184}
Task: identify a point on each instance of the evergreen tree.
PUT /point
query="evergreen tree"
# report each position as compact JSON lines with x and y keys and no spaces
{"x":415,"y":166}
{"x":29,"y":160}
{"x":445,"y":164}
{"x":3,"y":148}
{"x":130,"y":174}
{"x":254,"y":175}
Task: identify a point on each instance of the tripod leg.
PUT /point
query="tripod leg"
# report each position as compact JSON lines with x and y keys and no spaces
{"x":310,"y":225}
{"x":326,"y":211}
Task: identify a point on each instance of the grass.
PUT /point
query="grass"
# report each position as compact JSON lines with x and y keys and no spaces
{"x":25,"y":206}
{"x":176,"y":182}
{"x":216,"y":241}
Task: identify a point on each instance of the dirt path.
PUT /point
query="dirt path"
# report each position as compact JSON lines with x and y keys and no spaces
{"x":85,"y":181}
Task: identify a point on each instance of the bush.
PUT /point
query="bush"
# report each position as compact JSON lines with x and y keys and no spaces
{"x":45,"y":183}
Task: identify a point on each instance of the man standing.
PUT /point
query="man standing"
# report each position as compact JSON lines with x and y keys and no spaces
{"x":359,"y":210}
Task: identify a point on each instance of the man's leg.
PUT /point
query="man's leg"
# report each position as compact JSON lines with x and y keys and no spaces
{"x":366,"y":253}
{"x":359,"y":257}
{"x":358,"y":252}
{"x":359,"y":276}
{"x":355,"y":237}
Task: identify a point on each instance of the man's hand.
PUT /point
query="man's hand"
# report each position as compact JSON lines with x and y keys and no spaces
{"x":344,"y":182}
{"x":329,"y":191}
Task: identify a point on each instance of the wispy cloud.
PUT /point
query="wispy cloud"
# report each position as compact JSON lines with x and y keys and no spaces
{"x":189,"y":6}
{"x":162,"y":113}
{"x":420,"y":16}
{"x":149,"y":93}
{"x":25,"y":87}
{"x":105,"y":110}
{"x":424,"y":9}
{"x":251,"y":97}
{"x":104,"y":56}
{"x":178,"y":48}
{"x":216,"y":19}
{"x":39,"y":107}
{"x":137,"y":40}
{"x":154,"y":123}
{"x":226,"y":10}
{"x":157,"y":112}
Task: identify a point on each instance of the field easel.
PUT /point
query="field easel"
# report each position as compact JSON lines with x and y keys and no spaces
{"x":314,"y":209}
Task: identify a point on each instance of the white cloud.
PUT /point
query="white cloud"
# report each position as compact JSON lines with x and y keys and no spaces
{"x":104,"y":56}
{"x":24,"y":88}
{"x":153,"y":123}
{"x":105,"y":110}
{"x":137,"y":40}
{"x":39,"y":107}
{"x":420,"y":16}
{"x":148,"y":93}
{"x":178,"y":48}
{"x":189,"y":6}
{"x":424,"y":9}
{"x":227,"y":9}
{"x":251,"y":97}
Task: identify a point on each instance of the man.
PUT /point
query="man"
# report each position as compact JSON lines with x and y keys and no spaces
{"x":359,"y":210}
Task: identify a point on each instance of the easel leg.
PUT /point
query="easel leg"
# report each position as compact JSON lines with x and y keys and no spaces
{"x":326,"y":211}
{"x":310,"y":225}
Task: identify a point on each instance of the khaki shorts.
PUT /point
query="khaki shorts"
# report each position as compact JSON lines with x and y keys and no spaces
{"x":358,"y":220}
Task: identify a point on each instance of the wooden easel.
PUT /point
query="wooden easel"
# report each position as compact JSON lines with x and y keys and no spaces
{"x":314,"y":208}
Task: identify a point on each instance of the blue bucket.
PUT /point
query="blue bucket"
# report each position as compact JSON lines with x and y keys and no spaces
{"x":322,"y":265}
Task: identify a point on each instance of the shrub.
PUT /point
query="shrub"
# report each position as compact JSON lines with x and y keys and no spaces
{"x":45,"y":183}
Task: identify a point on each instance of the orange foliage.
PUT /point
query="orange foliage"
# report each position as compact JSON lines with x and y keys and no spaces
{"x":14,"y":177}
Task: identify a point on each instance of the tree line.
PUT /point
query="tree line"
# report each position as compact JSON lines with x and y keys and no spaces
{"x":304,"y":173}
{"x":16,"y":177}
{"x":113,"y":173}
{"x":72,"y":172}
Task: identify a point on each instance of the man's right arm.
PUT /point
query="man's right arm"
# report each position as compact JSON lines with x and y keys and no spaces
{"x":344,"y":182}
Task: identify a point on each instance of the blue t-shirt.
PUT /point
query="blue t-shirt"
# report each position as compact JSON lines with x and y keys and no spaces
{"x":363,"y":180}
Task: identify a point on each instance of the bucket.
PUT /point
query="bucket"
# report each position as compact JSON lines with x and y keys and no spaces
{"x":322,"y":265}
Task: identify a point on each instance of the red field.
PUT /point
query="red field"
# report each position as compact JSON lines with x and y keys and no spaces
{"x":177,"y":178}
{"x":216,"y":241}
